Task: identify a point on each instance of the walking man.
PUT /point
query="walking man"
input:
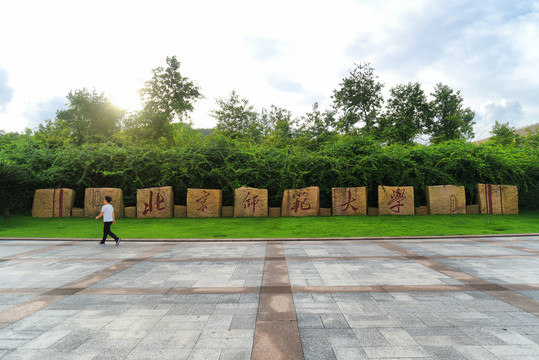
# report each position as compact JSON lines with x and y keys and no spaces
{"x":107,"y":212}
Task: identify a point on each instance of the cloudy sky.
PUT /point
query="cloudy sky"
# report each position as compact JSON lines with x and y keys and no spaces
{"x":288,"y":53}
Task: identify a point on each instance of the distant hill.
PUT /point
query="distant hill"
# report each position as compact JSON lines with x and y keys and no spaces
{"x":205,"y":132}
{"x":520,"y":131}
{"x":530,"y":128}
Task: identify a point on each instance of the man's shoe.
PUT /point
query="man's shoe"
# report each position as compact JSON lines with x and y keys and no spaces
{"x":101,"y":243}
{"x":118,"y":241}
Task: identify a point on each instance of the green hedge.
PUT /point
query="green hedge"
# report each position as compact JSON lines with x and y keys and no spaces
{"x":221,"y":163}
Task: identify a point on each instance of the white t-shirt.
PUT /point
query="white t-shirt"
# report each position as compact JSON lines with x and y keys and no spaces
{"x":107,"y":210}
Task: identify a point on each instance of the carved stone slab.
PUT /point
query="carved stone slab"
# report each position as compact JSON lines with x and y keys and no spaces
{"x":250,"y":202}
{"x":93,"y":201}
{"x":301,"y":202}
{"x":157,"y":202}
{"x":349,"y":201}
{"x":446,"y":200}
{"x":203,"y":203}
{"x":53,"y":203}
{"x":396,"y":200}
{"x":497,"y":199}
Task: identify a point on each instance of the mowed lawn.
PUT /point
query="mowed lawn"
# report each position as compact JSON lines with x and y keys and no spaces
{"x":307,"y":227}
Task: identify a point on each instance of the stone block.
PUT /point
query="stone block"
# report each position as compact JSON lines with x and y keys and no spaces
{"x":274,"y":212}
{"x":157,"y":202}
{"x":53,"y":203}
{"x":250,"y":202}
{"x":396,"y":200}
{"x":497,"y":199}
{"x":422,"y":210}
{"x":473,"y":209}
{"x":446,"y":200}
{"x":301,"y":202}
{"x":372,"y":211}
{"x":227,"y":211}
{"x":349,"y":201}
{"x":203,"y":203}
{"x":325,"y":212}
{"x":94,"y":197}
{"x":180,"y":211}
{"x":130,"y":212}
{"x":77,"y":212}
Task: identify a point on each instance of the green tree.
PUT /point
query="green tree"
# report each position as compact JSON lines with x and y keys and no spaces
{"x":450,"y":120}
{"x":359,"y":98}
{"x":10,"y":173}
{"x":530,"y":139}
{"x":167,"y":97}
{"x":502,"y":134}
{"x":90,"y":117}
{"x":318,"y":125}
{"x":407,"y":114}
{"x":278,"y":124}
{"x":237,"y":118}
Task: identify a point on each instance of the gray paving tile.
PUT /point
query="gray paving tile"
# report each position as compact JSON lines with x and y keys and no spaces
{"x":317,"y":348}
{"x":350,"y":354}
{"x":205,"y":354}
{"x":236,"y":354}
{"x":396,"y":352}
{"x":221,"y":325}
{"x":444,"y":352}
{"x":243,"y":321}
{"x":499,"y":270}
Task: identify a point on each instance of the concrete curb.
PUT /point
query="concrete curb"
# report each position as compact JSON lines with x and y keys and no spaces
{"x":275,"y":239}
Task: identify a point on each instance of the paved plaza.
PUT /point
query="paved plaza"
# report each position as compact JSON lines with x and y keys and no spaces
{"x":425,"y":298}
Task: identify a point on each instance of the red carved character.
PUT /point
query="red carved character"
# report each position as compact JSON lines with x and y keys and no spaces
{"x":148,"y":207}
{"x":301,"y":205}
{"x":349,"y":203}
{"x":396,"y":199}
{"x":248,"y":202}
{"x":202,"y":201}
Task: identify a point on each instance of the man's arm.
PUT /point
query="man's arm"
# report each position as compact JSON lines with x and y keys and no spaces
{"x":100,"y":215}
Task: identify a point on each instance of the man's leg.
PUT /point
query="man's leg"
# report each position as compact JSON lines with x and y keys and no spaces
{"x":106,"y":231}
{"x":116,"y":238}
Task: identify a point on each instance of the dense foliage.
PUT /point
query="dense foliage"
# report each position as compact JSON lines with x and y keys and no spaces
{"x":219,"y":162}
{"x":358,"y":142}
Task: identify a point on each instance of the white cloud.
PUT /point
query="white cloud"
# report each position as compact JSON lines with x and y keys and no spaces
{"x":37,"y":113}
{"x":264,"y":49}
{"x":503,"y":111}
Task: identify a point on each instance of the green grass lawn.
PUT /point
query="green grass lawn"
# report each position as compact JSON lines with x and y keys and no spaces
{"x":307,"y":227}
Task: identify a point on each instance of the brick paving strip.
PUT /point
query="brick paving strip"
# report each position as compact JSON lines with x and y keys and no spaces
{"x":18,"y":312}
{"x":276,"y":333}
{"x":503,"y":293}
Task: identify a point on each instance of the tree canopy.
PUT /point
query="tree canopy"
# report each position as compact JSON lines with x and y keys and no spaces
{"x":90,"y":117}
{"x":361,"y":140}
{"x":167,"y":97}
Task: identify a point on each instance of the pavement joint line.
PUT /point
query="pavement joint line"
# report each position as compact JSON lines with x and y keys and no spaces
{"x":289,"y":258}
{"x":42,"y":250}
{"x":63,"y":291}
{"x":480,"y":236}
{"x":518,"y":248}
{"x":488,"y":287}
{"x":34,"y":305}
{"x":274,"y":289}
{"x":497,"y":291}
